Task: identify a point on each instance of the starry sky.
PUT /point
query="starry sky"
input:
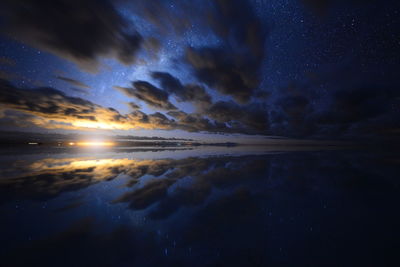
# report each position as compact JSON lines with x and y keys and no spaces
{"x":204,"y":69}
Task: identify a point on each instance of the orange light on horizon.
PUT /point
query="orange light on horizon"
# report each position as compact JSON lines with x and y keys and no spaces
{"x":95,"y":143}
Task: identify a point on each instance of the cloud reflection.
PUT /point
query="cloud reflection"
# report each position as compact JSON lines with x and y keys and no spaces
{"x":215,"y":210}
{"x":50,"y":177}
{"x":164,"y":186}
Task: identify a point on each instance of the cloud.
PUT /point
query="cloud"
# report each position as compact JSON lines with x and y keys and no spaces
{"x":50,"y":108}
{"x":357,"y":105}
{"x":70,"y":174}
{"x":292,"y":114}
{"x":152,"y":192}
{"x":239,"y":20}
{"x":168,"y":82}
{"x":196,"y":123}
{"x":73,"y":82}
{"x":206,"y":174}
{"x":361,"y":111}
{"x":228,"y":116}
{"x":133,"y":105}
{"x":79,"y":31}
{"x":251,"y":117}
{"x":355,"y":111}
{"x":352,"y":111}
{"x":233,"y":67}
{"x":218,"y":69}
{"x":148,"y":93}
{"x":184,"y":93}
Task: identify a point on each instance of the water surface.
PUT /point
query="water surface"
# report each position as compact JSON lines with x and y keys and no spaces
{"x":207,"y":206}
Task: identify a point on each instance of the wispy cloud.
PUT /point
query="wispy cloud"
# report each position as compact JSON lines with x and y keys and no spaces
{"x":73,"y":82}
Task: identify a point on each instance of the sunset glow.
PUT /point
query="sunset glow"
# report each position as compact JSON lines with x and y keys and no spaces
{"x":94,"y":143}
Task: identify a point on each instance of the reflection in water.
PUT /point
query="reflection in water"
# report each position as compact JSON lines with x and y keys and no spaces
{"x":299,"y":208}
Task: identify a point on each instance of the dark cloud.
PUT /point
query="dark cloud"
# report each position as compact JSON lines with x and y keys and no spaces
{"x":367,"y":111}
{"x":218,"y":69}
{"x":238,"y":21}
{"x":51,"y":108}
{"x":178,"y":114}
{"x":184,"y":93}
{"x":150,"y":193}
{"x":292,"y":113}
{"x":198,"y":123}
{"x":149,"y":94}
{"x":233,"y":67}
{"x":133,"y":105}
{"x":160,"y":119}
{"x":42,"y":180}
{"x":207,"y":174}
{"x":168,"y":82}
{"x":48,"y":178}
{"x":43,"y":100}
{"x":73,"y":82}
{"x":363,"y":111}
{"x":80,"y":31}
{"x":251,"y":117}
{"x":228,"y":116}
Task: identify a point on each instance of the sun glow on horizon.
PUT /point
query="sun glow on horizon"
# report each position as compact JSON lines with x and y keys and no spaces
{"x":92,"y":143}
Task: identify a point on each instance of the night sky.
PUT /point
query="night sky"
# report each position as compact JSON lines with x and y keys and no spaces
{"x":202,"y":69}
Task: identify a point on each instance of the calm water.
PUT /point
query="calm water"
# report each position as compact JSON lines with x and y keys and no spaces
{"x":202,"y":207}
